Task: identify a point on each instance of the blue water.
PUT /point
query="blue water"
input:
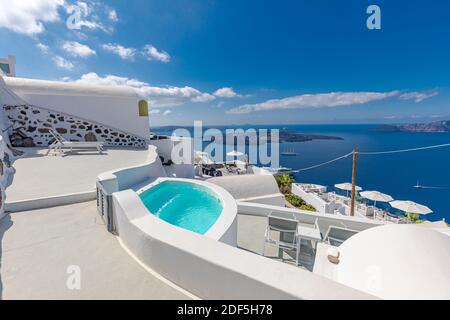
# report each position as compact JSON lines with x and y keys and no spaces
{"x":183,"y":204}
{"x":394,"y":174}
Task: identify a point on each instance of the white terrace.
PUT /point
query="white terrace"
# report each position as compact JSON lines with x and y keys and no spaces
{"x":40,"y":176}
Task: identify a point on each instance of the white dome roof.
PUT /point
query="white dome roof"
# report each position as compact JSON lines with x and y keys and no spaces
{"x":397,"y":262}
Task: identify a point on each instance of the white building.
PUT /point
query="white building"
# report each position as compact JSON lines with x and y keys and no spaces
{"x":157,"y":259}
{"x":114,"y":115}
{"x":8,"y":66}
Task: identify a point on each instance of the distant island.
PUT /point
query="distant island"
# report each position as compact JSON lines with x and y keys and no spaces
{"x":431,"y":127}
{"x":289,"y":136}
{"x":284,"y":135}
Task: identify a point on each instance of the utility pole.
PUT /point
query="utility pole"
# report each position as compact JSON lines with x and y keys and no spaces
{"x":355,"y":158}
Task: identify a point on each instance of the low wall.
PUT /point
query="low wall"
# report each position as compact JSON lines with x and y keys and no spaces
{"x":213,"y":270}
{"x":55,"y":201}
{"x":6,"y":170}
{"x":276,"y":199}
{"x":124,"y":178}
{"x":324,"y":220}
{"x":315,"y":201}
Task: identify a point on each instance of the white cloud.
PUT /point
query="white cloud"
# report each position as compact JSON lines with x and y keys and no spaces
{"x":321,"y":100}
{"x":28,"y":17}
{"x":167,"y":112}
{"x":77,"y":49}
{"x":63,"y":63}
{"x":154,"y":111}
{"x":121,"y":51}
{"x":225,"y":93}
{"x":418,"y":96}
{"x":167,"y":96}
{"x":112,"y":15}
{"x":44,"y":48}
{"x":151,"y":53}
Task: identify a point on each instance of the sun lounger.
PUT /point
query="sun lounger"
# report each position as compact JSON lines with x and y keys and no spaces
{"x":60,"y":143}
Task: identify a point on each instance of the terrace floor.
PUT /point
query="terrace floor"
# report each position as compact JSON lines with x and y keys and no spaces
{"x":39,"y":175}
{"x":37,"y":247}
{"x":251,"y":231}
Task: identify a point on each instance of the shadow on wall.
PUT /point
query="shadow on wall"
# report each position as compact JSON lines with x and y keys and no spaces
{"x":5,"y":224}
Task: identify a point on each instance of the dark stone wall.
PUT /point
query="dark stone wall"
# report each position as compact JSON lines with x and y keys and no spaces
{"x":31,"y":128}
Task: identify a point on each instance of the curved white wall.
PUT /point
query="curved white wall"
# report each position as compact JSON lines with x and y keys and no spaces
{"x":124,"y":178}
{"x":6,"y":156}
{"x":112,"y":106}
{"x":211,"y":269}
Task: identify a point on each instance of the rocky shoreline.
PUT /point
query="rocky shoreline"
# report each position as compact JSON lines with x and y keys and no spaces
{"x":431,"y":127}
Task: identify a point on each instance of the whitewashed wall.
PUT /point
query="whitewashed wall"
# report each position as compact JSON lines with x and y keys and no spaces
{"x":116,"y":107}
{"x":183,"y":166}
{"x":311,"y":199}
{"x":6,"y":155}
{"x":6,"y":170}
{"x":211,"y":269}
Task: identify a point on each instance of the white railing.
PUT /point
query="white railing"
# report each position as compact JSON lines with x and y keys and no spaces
{"x":324,"y":220}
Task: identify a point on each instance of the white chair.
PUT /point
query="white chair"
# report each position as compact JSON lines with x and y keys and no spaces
{"x":285,"y":225}
{"x":60,"y":143}
{"x":309,"y":232}
{"x":335,"y":236}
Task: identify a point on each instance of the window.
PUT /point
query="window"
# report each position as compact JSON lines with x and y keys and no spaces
{"x":5,"y":68}
{"x":143,"y":108}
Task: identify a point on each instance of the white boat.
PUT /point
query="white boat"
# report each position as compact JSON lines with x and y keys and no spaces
{"x":288,"y":153}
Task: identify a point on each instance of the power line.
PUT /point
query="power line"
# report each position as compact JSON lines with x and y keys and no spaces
{"x":324,"y":163}
{"x":371,"y":153}
{"x":405,"y":150}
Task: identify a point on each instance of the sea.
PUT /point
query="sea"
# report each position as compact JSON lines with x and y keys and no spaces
{"x":394,"y":174}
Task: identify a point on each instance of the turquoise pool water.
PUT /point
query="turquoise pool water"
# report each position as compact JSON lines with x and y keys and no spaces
{"x":183,"y":204}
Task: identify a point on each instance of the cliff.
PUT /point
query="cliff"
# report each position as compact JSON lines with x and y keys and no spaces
{"x":437,"y":126}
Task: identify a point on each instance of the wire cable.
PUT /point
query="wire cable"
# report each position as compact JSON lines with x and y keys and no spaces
{"x":324,"y":163}
{"x":371,"y":153}
{"x":405,"y":150}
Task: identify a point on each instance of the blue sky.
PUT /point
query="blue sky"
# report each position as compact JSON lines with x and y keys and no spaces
{"x":253,"y":61}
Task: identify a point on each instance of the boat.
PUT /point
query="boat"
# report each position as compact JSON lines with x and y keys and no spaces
{"x":288,"y":153}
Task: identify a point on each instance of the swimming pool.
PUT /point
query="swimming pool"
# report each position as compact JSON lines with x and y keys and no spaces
{"x":184,"y":204}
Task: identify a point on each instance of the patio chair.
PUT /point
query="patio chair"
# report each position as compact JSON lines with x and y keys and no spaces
{"x":310,"y":231}
{"x":60,"y":143}
{"x":285,"y":225}
{"x":336,"y":236}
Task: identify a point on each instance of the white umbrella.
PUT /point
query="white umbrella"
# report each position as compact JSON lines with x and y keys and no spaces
{"x":376,"y":196}
{"x":235,"y":153}
{"x":410,"y":207}
{"x":347,"y":187}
